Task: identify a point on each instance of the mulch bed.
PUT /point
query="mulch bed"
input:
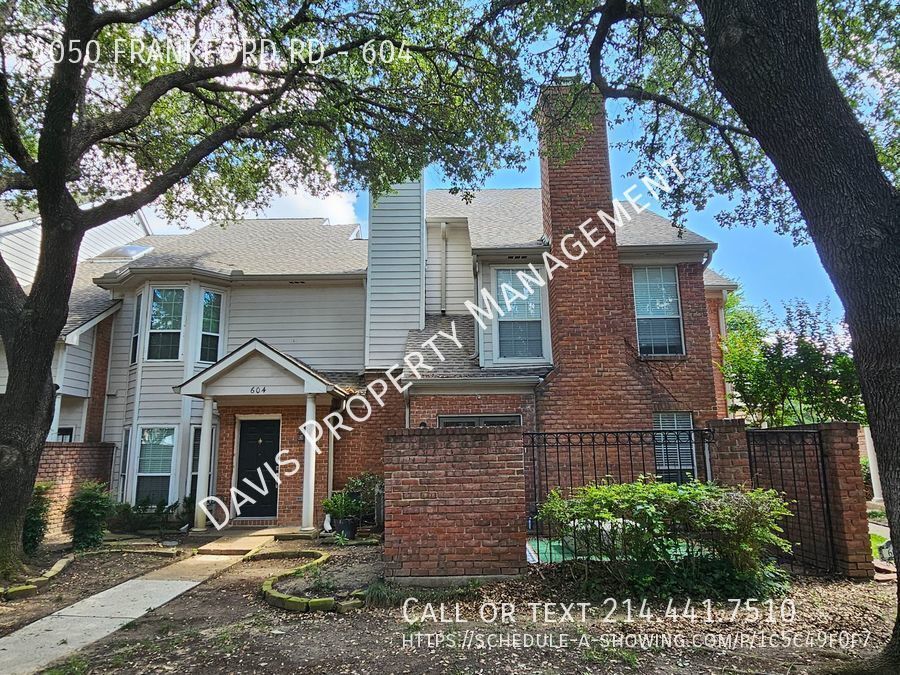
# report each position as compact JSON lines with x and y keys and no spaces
{"x":224,"y":626}
{"x":352,"y":569}
{"x":83,"y":578}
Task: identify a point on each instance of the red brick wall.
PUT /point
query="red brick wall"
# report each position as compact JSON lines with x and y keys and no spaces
{"x":454,"y":502}
{"x":847,"y":495}
{"x":728,"y":456}
{"x":600,"y":381}
{"x":714,"y":305}
{"x":290,"y":491}
{"x":427,"y":407}
{"x":93,"y":424}
{"x":67,"y":466}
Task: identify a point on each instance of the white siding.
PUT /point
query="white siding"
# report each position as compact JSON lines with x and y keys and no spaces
{"x":71,"y":414}
{"x":396,"y":273}
{"x":20,"y":248}
{"x":254,"y":372}
{"x":322,"y":325}
{"x":460,"y":278}
{"x":121,"y":385}
{"x":79,"y":360}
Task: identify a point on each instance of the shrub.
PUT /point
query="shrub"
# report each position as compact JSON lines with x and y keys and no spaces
{"x":35,"y":526}
{"x":341,"y":505}
{"x":89,"y":509}
{"x":144,"y":516}
{"x":662,"y":538}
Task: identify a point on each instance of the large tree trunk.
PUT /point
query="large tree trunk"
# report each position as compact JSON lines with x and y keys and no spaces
{"x":767,"y":59}
{"x":29,"y":331}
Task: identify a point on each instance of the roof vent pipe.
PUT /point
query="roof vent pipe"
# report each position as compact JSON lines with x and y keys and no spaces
{"x":443,"y":269}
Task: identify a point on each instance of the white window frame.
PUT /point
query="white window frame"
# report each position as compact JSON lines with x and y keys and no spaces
{"x":678,"y":427}
{"x":212,"y":464}
{"x":136,"y":325}
{"x":444,"y":418}
{"x":679,"y":316}
{"x":137,"y":467}
{"x":495,"y":323}
{"x":221,"y":333}
{"x":180,"y":331}
{"x":124,"y":462}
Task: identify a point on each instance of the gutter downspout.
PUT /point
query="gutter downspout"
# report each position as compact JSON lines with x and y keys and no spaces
{"x":709,"y":256}
{"x":443,"y":269}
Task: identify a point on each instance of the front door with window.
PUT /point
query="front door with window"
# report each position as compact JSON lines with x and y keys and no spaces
{"x":258,"y":444}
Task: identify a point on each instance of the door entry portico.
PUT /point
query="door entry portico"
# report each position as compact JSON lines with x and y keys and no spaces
{"x":257,"y":446}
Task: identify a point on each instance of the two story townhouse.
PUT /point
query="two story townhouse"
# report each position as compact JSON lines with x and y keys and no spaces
{"x":223,"y":342}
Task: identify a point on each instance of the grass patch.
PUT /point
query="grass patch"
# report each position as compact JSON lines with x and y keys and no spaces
{"x":879,"y":517}
{"x":381,"y":594}
{"x":876,"y":540}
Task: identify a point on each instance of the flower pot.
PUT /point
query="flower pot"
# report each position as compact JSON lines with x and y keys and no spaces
{"x":347,"y":527}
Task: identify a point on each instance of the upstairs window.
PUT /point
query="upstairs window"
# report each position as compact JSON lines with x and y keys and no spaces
{"x":520,"y":333}
{"x":136,"y":326}
{"x":211,"y":326}
{"x":166,"y":313}
{"x":658,"y":311}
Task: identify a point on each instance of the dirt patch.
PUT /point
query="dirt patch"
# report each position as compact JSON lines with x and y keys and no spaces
{"x":84,"y":577}
{"x":224,"y":626}
{"x":352,"y":569}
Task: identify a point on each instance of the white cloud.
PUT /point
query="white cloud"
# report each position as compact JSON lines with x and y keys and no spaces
{"x":338,"y":207}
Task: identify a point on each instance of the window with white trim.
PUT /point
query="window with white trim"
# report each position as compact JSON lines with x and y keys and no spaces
{"x":195,"y":460}
{"x":210,"y":326}
{"x":65,"y":434}
{"x":520,"y":333}
{"x":123,"y":462}
{"x":674,"y":446}
{"x":166,"y":315}
{"x":658,"y":311}
{"x":136,"y":327}
{"x":479,"y":420}
{"x":155,"y":465}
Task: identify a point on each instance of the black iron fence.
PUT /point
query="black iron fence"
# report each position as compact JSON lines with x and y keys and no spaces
{"x":792,"y":462}
{"x":564,"y":461}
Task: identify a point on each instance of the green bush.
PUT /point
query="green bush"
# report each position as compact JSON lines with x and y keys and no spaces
{"x":145,"y":516}
{"x":89,"y":509}
{"x":664,"y":539}
{"x":341,"y":505}
{"x":35,"y":526}
{"x":368,"y":486}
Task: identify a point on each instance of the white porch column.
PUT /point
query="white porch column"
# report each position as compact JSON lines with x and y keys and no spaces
{"x":203,"y":464}
{"x":877,"y":495}
{"x":52,"y":435}
{"x":307,"y":523}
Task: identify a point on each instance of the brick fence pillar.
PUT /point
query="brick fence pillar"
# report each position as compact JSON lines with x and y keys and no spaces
{"x":454,"y":504}
{"x":847,"y":499}
{"x":729,"y":457}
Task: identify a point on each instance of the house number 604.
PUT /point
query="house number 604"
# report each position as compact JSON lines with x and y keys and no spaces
{"x":258,"y":390}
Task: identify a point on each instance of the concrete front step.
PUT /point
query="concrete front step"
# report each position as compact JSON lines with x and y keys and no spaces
{"x":234,"y":544}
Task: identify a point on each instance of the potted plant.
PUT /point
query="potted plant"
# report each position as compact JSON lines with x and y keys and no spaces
{"x":344,"y":512}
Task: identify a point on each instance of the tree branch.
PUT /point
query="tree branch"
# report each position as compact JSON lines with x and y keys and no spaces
{"x":12,"y":301}
{"x":15,"y":181}
{"x":134,"y":16}
{"x":9,"y":129}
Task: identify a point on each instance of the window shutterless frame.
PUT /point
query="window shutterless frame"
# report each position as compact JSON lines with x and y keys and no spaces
{"x":674,"y":448}
{"x":543,"y":321}
{"x":212,"y":310}
{"x":499,"y":420}
{"x":123,"y":463}
{"x":168,"y":299}
{"x":677,"y":315}
{"x":155,"y":474}
{"x":136,"y":327}
{"x":191,"y":486}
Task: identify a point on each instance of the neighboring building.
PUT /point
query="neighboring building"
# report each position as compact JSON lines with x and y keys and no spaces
{"x":229,"y":338}
{"x":85,"y":336}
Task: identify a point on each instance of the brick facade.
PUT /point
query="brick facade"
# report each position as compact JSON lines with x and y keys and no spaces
{"x":428,"y":407}
{"x":728,"y":456}
{"x":714,"y":306}
{"x":96,"y":404}
{"x":454,"y":502}
{"x":67,"y":466}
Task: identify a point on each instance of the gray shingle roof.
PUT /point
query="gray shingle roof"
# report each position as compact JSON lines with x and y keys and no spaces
{"x":264,"y":246}
{"x":508,"y":218}
{"x":714,"y":279}
{"x":87,"y":299}
{"x":458,"y":363}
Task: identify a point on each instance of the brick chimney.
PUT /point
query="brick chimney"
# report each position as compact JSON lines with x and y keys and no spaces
{"x":593,"y":384}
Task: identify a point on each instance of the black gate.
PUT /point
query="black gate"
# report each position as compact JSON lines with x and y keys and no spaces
{"x":792,"y":462}
{"x":566,"y":460}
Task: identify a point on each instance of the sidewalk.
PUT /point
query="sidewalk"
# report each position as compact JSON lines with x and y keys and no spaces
{"x":63,"y":633}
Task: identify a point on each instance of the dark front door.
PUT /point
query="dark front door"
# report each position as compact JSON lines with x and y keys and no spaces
{"x":258,"y":445}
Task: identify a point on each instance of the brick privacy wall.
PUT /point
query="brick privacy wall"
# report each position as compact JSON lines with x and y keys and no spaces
{"x":363,"y":448}
{"x":290,"y":492}
{"x":714,"y":304}
{"x":728,"y":456}
{"x":67,"y":466}
{"x":428,"y":407}
{"x":847,"y":495}
{"x":599,"y":379}
{"x":96,"y":404}
{"x":454,"y":502}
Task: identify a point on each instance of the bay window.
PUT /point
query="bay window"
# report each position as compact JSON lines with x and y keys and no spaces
{"x":211,"y":326}
{"x":155,"y":464}
{"x":166,"y":315}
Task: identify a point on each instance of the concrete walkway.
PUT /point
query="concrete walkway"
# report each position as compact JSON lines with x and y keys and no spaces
{"x":63,"y":633}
